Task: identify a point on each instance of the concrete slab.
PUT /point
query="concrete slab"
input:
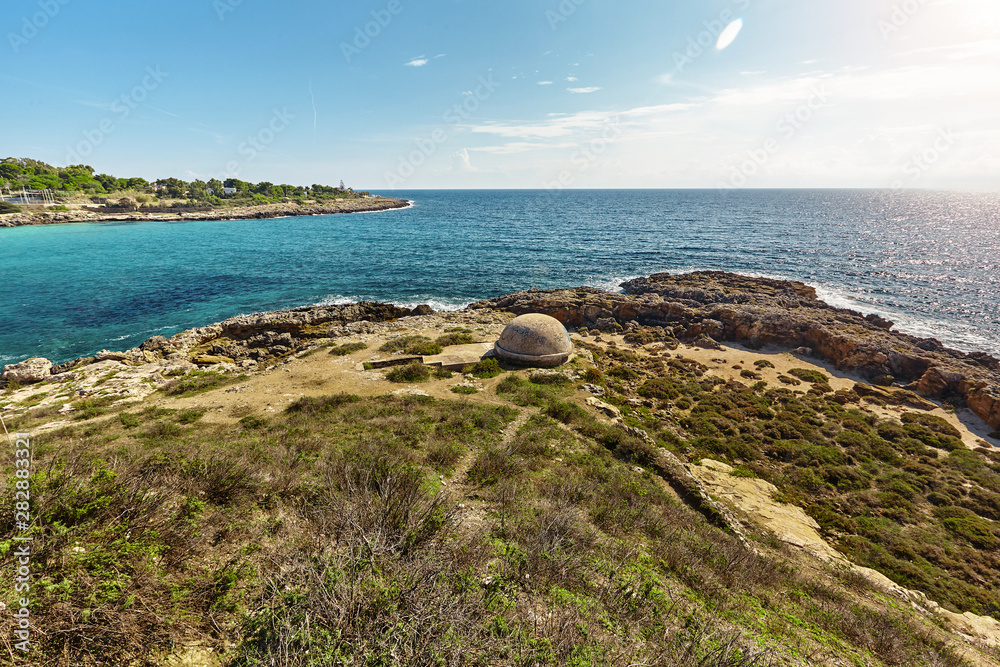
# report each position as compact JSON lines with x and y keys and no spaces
{"x":457,"y":357}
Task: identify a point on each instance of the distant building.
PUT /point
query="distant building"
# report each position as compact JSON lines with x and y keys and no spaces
{"x":229,"y":191}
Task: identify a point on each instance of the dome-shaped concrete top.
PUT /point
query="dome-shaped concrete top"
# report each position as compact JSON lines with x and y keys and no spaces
{"x":534,"y":340}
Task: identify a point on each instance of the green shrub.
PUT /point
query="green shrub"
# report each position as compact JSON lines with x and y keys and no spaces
{"x":416,"y":345}
{"x":809,"y":375}
{"x":347,"y":348}
{"x":557,"y":379}
{"x":88,"y":408}
{"x":566,"y":412}
{"x":191,"y":415}
{"x":311,"y":405}
{"x":253,"y":422}
{"x":456,"y":338}
{"x":663,"y":388}
{"x":411,"y":372}
{"x":522,"y":392}
{"x":487,"y":368}
{"x":7,"y":207}
{"x":622,"y":372}
{"x":933,"y":423}
{"x":197,"y":382}
{"x":465,"y":389}
{"x":763,"y":363}
{"x":129,"y":419}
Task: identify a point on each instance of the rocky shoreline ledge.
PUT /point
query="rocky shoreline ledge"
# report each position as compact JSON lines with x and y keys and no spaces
{"x":805,"y":470}
{"x":367,"y":205}
{"x":701,"y":307}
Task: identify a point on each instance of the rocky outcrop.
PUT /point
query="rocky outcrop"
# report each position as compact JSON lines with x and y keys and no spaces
{"x":244,"y":341}
{"x":762,"y":311}
{"x":28,"y":371}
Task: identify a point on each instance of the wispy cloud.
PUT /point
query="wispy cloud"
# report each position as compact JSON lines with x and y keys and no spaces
{"x":572,"y":78}
{"x":419,"y":61}
{"x":544,"y":83}
{"x":584,"y":91}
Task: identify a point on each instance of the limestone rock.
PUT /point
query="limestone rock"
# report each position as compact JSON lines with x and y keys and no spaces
{"x":606,"y":409}
{"x":155,"y":344}
{"x":209,"y":360}
{"x":28,"y":371}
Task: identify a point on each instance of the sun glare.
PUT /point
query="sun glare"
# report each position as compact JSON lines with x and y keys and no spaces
{"x":729,"y":34}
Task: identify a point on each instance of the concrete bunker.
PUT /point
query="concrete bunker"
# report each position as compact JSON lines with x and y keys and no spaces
{"x":534,"y":340}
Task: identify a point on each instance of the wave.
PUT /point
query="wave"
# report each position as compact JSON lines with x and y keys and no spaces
{"x":437,"y":303}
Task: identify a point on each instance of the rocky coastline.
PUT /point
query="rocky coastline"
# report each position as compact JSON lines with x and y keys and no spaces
{"x":366,"y":205}
{"x":653,"y":368}
{"x":701,"y":307}
{"x":717,"y":306}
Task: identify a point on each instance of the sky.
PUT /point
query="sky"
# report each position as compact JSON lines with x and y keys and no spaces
{"x":415,"y":94}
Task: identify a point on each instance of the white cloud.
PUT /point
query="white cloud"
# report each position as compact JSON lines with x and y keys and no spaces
{"x":419,"y":61}
{"x":544,"y":83}
{"x":584,"y":91}
{"x":572,"y":78}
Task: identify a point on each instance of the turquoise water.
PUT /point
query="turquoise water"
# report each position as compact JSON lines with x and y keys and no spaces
{"x":930,"y":261}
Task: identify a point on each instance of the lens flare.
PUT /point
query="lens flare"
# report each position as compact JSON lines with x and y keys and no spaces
{"x":729,"y":34}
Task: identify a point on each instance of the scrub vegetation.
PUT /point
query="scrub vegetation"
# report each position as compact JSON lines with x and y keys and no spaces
{"x":511,"y":527}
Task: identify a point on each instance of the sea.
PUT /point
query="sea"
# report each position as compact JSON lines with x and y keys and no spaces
{"x":930,"y":261}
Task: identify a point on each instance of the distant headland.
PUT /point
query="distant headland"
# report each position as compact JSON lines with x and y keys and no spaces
{"x":33,"y":192}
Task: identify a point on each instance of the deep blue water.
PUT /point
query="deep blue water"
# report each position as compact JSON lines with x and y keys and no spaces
{"x":928,"y":260}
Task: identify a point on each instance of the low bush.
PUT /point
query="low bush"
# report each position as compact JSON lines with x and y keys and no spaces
{"x":455,"y":338}
{"x":416,"y":345}
{"x":809,"y":375}
{"x":485,"y":369}
{"x":411,"y":372}
{"x":347,"y":348}
{"x":197,"y":382}
{"x":566,"y":412}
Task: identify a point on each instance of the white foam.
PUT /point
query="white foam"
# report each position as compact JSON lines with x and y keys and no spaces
{"x":436,"y":304}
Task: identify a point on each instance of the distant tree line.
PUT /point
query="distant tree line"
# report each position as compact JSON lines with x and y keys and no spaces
{"x":80,"y":179}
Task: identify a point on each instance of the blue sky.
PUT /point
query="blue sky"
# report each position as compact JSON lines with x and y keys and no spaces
{"x":516,"y":94}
